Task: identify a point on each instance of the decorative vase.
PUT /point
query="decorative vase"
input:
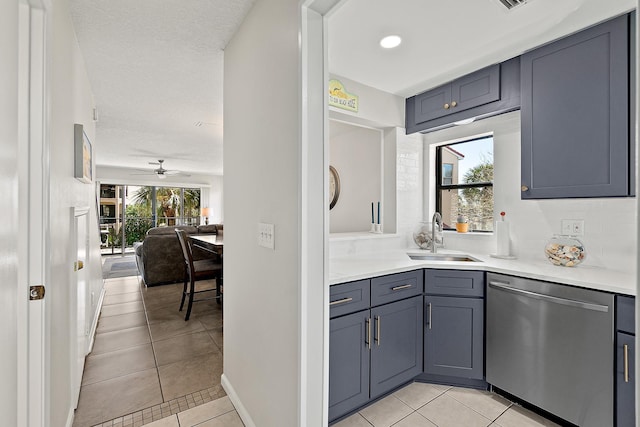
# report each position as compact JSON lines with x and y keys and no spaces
{"x":422,"y":235}
{"x":566,"y":251}
{"x":462,"y":227}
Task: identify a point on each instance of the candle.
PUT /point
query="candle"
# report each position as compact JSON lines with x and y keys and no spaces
{"x":378,"y":212}
{"x":372,"y":215}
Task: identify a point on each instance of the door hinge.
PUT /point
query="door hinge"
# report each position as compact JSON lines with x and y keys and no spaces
{"x":36,"y":292}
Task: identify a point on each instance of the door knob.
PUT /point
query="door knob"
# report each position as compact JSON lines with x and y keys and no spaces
{"x":524,"y":188}
{"x":453,"y":103}
{"x":446,"y":106}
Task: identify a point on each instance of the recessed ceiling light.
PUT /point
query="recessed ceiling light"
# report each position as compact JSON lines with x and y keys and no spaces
{"x":389,"y":42}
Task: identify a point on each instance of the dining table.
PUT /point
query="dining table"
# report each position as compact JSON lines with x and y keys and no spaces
{"x":212,"y":243}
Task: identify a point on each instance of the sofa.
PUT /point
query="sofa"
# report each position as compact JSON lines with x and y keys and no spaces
{"x":159,"y":257}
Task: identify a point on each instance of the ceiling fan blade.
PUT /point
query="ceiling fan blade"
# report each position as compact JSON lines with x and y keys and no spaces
{"x":171,"y":172}
{"x":147,"y":174}
{"x":154,"y":163}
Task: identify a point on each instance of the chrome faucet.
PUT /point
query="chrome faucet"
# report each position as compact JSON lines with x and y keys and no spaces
{"x":436,"y":220}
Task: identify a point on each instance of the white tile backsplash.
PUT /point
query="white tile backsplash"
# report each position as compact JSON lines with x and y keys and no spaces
{"x":610,"y":224}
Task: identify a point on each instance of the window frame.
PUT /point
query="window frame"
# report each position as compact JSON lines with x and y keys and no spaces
{"x":440,"y":187}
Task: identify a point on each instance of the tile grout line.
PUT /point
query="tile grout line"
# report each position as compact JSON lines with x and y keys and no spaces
{"x":469,"y":407}
{"x":153,"y":347}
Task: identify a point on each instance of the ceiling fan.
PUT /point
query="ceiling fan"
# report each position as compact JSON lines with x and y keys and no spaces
{"x":161,"y":172}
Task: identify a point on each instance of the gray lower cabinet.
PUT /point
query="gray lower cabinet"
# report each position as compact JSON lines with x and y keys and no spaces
{"x":454,"y":326}
{"x":625,"y":379}
{"x":576,"y":115}
{"x":453,"y":337}
{"x":349,"y":363}
{"x":375,"y":350}
{"x":396,"y":352}
{"x":625,"y":361}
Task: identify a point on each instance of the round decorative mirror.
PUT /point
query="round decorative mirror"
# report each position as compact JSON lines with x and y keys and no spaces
{"x":334,"y":187}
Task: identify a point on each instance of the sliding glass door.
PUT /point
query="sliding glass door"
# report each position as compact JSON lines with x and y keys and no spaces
{"x":128,"y":211}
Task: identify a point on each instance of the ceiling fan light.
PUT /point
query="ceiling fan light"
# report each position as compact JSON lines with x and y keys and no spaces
{"x":389,"y":42}
{"x":161,"y":176}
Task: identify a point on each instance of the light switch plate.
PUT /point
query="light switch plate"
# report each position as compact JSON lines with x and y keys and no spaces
{"x":266,"y":235}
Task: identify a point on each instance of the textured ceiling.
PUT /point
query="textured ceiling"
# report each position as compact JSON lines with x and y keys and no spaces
{"x":156,"y":68}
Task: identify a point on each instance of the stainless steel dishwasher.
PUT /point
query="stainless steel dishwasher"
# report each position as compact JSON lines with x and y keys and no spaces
{"x":552,"y":346}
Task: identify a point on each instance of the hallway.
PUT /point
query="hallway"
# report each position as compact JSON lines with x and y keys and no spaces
{"x":147,"y":363}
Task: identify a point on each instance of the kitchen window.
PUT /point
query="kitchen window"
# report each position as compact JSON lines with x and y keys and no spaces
{"x":464,"y":183}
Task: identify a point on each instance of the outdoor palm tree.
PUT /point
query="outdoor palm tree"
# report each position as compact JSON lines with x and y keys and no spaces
{"x":169,"y":201}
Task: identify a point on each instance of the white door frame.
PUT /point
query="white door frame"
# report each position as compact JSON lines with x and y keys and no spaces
{"x":33,"y":347}
{"x":314,"y":213}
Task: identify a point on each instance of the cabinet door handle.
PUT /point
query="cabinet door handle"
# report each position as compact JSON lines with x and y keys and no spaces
{"x":453,"y":104}
{"x":626,"y":363}
{"x":378,"y":323}
{"x":524,"y":188}
{"x":397,"y":288}
{"x":446,"y":106}
{"x":429,"y":308}
{"x":368,"y":340}
{"x":340,"y":301}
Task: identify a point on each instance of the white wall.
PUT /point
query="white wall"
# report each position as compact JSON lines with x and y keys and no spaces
{"x":71,"y":102}
{"x":262,"y":161}
{"x":356,"y":154}
{"x":9,"y":237}
{"x":376,"y":108}
{"x":409,"y":194}
{"x":609,"y":222}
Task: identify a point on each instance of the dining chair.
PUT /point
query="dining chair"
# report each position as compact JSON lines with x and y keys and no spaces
{"x":195,"y":271}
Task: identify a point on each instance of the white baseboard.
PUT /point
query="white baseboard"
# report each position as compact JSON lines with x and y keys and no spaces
{"x":70,"y":417}
{"x":94,"y":325}
{"x":240,"y":409}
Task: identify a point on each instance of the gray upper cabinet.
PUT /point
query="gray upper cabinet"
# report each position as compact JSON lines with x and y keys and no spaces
{"x":466,"y":92}
{"x":575,"y":115}
{"x":490,"y":91}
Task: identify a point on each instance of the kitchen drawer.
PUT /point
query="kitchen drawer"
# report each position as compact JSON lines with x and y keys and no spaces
{"x":349,"y":297}
{"x":625,"y":314}
{"x":395,"y":287}
{"x":454,"y":283}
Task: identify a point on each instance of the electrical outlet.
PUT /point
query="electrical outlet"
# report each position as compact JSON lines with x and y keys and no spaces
{"x":573,"y":227}
{"x":266,"y":235}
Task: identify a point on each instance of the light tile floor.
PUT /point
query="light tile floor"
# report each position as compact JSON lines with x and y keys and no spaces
{"x":415,"y":405}
{"x":147,"y":362}
{"x":150,"y":367}
{"x":432,"y":405}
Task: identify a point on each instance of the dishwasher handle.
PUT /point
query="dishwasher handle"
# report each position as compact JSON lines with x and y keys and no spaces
{"x":549,"y":298}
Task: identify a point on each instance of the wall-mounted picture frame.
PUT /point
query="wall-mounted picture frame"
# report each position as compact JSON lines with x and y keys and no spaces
{"x":334,"y":187}
{"x":83,"y":167}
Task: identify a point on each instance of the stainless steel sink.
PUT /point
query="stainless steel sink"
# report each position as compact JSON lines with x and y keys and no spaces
{"x":443,"y":257}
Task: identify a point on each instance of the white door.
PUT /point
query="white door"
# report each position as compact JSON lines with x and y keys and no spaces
{"x":79,"y":318}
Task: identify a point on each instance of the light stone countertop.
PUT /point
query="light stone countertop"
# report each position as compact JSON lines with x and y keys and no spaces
{"x":363,"y":266}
